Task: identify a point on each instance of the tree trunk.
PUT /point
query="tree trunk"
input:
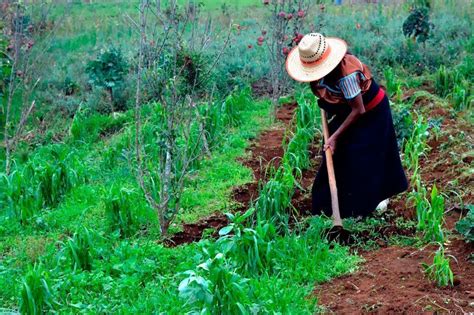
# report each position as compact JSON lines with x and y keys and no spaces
{"x":165,"y":187}
{"x":111,"y":96}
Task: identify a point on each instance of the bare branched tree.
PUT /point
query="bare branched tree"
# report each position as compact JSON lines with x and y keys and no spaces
{"x":26,"y":56}
{"x":178,"y":75}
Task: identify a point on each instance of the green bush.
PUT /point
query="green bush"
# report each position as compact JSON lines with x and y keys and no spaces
{"x":466,"y":226}
{"x":215,"y":288}
{"x":107,"y":71}
{"x":251,"y":248}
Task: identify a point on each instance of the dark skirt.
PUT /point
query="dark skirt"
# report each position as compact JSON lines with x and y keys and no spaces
{"x":366,"y":162}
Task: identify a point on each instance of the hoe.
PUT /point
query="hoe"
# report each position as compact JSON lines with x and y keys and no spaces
{"x":337,"y":232}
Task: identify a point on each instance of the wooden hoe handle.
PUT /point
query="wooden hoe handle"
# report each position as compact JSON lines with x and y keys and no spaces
{"x":336,"y":215}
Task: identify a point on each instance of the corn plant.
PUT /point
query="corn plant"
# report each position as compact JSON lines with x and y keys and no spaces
{"x":79,"y":248}
{"x":416,"y":146}
{"x":435,"y":218}
{"x":251,"y":248}
{"x":35,"y":297}
{"x":445,"y":80}
{"x":56,"y":177}
{"x":275,"y":198}
{"x":307,"y":113}
{"x":233,"y":105}
{"x":19,"y":196}
{"x":119,"y":205}
{"x":461,"y":97}
{"x":297,"y":153}
{"x":430,"y":213}
{"x":393,"y":84}
{"x":439,"y":271}
{"x":215,"y":288}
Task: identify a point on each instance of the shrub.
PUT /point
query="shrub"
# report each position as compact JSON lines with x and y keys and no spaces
{"x":417,"y":25}
{"x":107,"y":71}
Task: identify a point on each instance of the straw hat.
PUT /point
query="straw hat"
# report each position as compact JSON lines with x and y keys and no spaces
{"x":314,"y":57}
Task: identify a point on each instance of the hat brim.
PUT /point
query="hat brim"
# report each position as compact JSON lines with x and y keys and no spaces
{"x":304,"y":73}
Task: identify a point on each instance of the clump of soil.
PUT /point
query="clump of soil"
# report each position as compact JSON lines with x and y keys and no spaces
{"x":392,"y":281}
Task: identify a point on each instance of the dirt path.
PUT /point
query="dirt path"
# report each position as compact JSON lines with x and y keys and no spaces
{"x":265,"y":151}
{"x":392,"y":281}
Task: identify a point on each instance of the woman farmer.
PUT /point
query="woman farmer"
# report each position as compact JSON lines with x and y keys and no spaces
{"x":366,"y":159}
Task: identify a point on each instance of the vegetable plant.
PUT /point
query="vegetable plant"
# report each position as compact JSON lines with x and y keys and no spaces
{"x":439,"y":271}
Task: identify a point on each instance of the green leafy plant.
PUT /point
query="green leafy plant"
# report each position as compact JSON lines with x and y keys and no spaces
{"x":19,"y":196}
{"x":119,"y":208}
{"x":461,"y":96}
{"x":430,"y":214}
{"x":35,"y":295}
{"x":466,"y":226}
{"x":214,"y":288}
{"x":393,"y":84}
{"x":416,"y":146}
{"x":57,"y":176}
{"x":251,"y":248}
{"x":446,"y":80}
{"x":79,"y":248}
{"x":107,"y":71}
{"x":439,"y":271}
{"x":275,"y":198}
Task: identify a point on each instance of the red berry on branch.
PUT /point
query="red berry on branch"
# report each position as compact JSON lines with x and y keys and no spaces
{"x":301,"y":14}
{"x":249,"y":46}
{"x":266,"y":2}
{"x":289,"y":16}
{"x":282,"y":14}
{"x":358,"y":26}
{"x":264,"y":32}
{"x":286,"y":51}
{"x":261,"y":39}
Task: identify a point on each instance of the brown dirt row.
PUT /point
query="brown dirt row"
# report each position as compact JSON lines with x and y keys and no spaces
{"x":392,"y":281}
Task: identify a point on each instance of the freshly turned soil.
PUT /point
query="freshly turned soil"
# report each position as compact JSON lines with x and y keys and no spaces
{"x":264,"y":153}
{"x":392,"y":281}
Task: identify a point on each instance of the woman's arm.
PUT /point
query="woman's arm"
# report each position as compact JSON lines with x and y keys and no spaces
{"x":357,"y":106}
